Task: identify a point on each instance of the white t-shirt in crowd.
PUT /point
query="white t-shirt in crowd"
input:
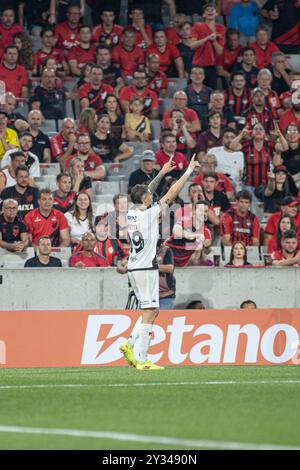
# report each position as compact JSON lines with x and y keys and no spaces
{"x":77,"y":229}
{"x":230,"y":163}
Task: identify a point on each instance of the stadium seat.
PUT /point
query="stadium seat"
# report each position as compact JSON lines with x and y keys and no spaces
{"x":46,"y":181}
{"x":63,"y":253}
{"x":49,"y":125}
{"x":176,"y":84}
{"x":184,"y":193}
{"x":294,"y":61}
{"x":164,"y":105}
{"x":106,"y":187}
{"x":155,"y":128}
{"x":70,"y":83}
{"x":101,"y":208}
{"x":103,"y":198}
{"x":16,"y":260}
{"x":49,"y":169}
{"x":22,"y":108}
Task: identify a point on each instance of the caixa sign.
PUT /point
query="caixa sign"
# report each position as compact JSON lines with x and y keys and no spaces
{"x":188,"y":340}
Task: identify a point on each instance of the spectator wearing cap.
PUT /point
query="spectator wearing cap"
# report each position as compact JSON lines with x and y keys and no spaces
{"x":288,"y":206}
{"x":279,"y":70}
{"x":258,"y":112}
{"x":245,"y":17}
{"x":289,"y":254}
{"x":8,"y":137}
{"x":31,"y":160}
{"x":87,"y":258}
{"x":180,"y":101}
{"x":279,"y":185}
{"x":110,"y":248}
{"x":264,"y":48}
{"x":209,"y":40}
{"x":146,"y":173}
{"x":169,"y":144}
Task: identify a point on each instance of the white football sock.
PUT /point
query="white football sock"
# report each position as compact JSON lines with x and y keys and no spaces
{"x":135,"y":332}
{"x":144,"y":343}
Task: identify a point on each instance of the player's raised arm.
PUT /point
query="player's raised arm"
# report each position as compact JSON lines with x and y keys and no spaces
{"x":167,"y":168}
{"x":177,"y":187}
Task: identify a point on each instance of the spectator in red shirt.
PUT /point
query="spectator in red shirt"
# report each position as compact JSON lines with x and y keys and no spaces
{"x":84,"y":52}
{"x":258,"y":112}
{"x":263,"y":47}
{"x":168,"y":143}
{"x":191,"y":117}
{"x":231,"y":54}
{"x":64,"y":197}
{"x":240,"y":224}
{"x":157,"y":80}
{"x":289,"y":254}
{"x":209,"y":43}
{"x":139,"y":88}
{"x":93,"y":94}
{"x":107,"y":32}
{"x":258,"y":153}
{"x":171,"y":62}
{"x":109,"y":247}
{"x":272,"y":101}
{"x":186,"y":141}
{"x":175,"y":25}
{"x":289,"y":206}
{"x":48,"y":51}
{"x":63,"y":144}
{"x":238,"y":96}
{"x":213,"y":136}
{"x":144,"y":34}
{"x":285,"y":224}
{"x":67,"y":32}
{"x":13,"y":75}
{"x":291,"y":116}
{"x":127,"y":55}
{"x":209,"y":164}
{"x":47,"y":221}
{"x":87,"y":258}
{"x":8,"y":28}
{"x":93,"y":164}
{"x":190,"y":236}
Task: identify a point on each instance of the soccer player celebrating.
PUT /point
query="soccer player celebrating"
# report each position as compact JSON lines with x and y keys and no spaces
{"x":143,"y":231}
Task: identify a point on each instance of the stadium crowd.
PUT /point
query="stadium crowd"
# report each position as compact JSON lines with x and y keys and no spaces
{"x":90,"y":108}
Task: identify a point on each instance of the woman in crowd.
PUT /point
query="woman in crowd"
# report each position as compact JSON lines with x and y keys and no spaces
{"x":80,"y":182}
{"x":286,"y":224}
{"x":108,"y":147}
{"x":85,"y":73}
{"x":24,"y":46}
{"x":80,"y":220}
{"x":238,"y":255}
{"x":113,"y":110}
{"x":87,"y":121}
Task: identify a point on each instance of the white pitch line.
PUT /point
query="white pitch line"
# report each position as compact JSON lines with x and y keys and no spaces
{"x":161,"y":440}
{"x":153,"y":384}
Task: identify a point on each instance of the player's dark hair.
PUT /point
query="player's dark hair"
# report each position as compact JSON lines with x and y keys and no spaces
{"x":167,"y":134}
{"x":17,"y":153}
{"x":237,"y":73}
{"x":137,"y":192}
{"x":289,"y":234}
{"x":248,"y":302}
{"x":119,"y":196}
{"x":193,"y":305}
{"x":45,"y":30}
{"x":103,"y":46}
{"x":249,"y":48}
{"x":84,"y":26}
{"x":10,"y":46}
{"x":230,"y":129}
{"x":211,"y":174}
{"x":44,"y":191}
{"x":192,"y":185}
{"x":43,"y":237}
{"x":231,"y":32}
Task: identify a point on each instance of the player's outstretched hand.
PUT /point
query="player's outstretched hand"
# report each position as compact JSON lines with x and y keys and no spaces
{"x":194,"y":163}
{"x":168,"y":167}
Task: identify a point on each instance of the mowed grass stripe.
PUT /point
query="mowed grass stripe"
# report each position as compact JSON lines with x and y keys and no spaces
{"x":154,"y":384}
{"x":161,"y":440}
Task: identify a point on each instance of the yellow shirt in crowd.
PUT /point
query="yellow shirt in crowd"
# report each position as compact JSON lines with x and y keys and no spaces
{"x":11,"y":138}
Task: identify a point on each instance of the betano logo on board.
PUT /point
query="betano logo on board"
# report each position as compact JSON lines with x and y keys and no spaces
{"x":74,"y":338}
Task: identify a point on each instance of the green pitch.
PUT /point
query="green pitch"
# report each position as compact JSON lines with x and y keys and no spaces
{"x":261,"y":405}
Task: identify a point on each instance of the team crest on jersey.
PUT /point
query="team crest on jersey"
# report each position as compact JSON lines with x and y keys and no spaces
{"x":147,"y":102}
{"x":115,"y":39}
{"x":92,"y":165}
{"x":15,"y":231}
{"x":29,"y":198}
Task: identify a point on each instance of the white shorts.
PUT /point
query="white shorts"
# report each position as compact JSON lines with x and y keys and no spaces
{"x":145,"y":284}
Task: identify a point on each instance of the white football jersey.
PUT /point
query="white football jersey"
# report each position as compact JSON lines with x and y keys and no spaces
{"x":143,"y":232}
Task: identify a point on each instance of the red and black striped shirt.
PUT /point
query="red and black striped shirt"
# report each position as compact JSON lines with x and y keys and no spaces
{"x":265,"y":118}
{"x":257,"y":162}
{"x":238,"y":104}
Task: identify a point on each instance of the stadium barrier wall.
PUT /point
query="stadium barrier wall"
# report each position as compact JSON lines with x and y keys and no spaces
{"x":180,"y":337}
{"x":66,"y":289}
